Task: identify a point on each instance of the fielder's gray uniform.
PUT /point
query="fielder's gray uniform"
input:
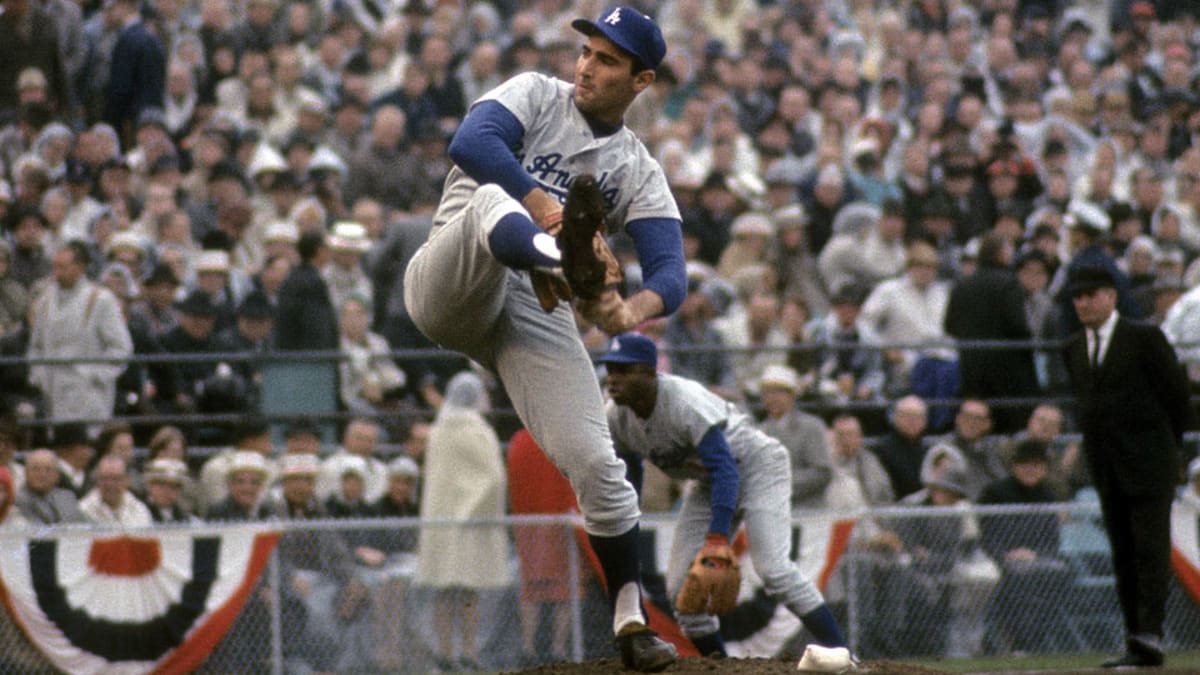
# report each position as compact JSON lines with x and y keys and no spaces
{"x":683,"y":413}
{"x":461,"y":297}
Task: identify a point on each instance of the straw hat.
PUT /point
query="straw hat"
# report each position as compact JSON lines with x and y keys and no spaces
{"x":166,"y":470}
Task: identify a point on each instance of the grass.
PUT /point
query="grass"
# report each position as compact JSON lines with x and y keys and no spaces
{"x":1049,"y":662}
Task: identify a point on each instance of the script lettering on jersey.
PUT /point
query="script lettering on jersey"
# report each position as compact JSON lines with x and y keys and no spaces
{"x":677,"y":460}
{"x":545,"y":170}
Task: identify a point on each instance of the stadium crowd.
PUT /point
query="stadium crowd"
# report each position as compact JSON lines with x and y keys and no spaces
{"x":861,"y":183}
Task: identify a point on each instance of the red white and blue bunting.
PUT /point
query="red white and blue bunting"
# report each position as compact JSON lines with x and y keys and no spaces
{"x":160,"y":601}
{"x":108,"y":603}
{"x":1185,"y":545}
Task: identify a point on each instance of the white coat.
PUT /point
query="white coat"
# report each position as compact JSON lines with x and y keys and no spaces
{"x":78,"y":323}
{"x":465,"y":478}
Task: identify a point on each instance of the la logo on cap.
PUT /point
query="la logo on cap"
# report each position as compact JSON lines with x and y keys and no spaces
{"x":616,"y":344}
{"x":613,"y":17}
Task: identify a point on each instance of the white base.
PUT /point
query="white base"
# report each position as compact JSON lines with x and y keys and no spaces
{"x":818,"y":659}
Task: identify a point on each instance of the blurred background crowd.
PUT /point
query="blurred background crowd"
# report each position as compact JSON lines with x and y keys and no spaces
{"x":865,"y":186}
{"x":198,"y":177}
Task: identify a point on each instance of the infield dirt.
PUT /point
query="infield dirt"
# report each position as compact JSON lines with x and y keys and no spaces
{"x":699,"y":666}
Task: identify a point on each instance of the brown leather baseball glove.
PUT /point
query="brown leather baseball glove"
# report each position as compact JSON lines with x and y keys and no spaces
{"x":587,"y":262}
{"x":711,"y":586}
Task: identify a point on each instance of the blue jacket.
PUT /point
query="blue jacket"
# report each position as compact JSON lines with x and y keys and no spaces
{"x":137,"y":78}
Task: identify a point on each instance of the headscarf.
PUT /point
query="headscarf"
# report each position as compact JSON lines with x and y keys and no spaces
{"x":464,"y":393}
{"x":48,"y":133}
{"x":128,"y":284}
{"x":186,"y":42}
{"x":306,"y":209}
{"x":110,"y":134}
{"x":929,"y":470}
{"x":484,"y":22}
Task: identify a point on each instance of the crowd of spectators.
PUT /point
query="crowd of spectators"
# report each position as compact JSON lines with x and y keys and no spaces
{"x":861,"y":184}
{"x":240,"y":178}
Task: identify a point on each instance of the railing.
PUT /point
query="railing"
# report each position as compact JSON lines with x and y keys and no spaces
{"x":433,"y":356}
{"x":318,"y":605}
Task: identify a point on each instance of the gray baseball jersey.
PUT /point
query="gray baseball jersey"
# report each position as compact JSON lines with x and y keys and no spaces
{"x":461,"y":297}
{"x":684,"y":412}
{"x":559,"y":145}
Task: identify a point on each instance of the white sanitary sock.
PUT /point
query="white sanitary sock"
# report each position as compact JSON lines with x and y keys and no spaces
{"x":629,"y":607}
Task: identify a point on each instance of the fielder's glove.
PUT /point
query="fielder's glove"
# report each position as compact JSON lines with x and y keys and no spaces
{"x":711,"y":586}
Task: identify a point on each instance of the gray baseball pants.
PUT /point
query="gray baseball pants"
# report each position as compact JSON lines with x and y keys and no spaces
{"x":764,"y":506}
{"x":464,"y":299}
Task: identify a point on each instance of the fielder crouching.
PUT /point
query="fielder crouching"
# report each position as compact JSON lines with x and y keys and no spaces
{"x":744,"y":476}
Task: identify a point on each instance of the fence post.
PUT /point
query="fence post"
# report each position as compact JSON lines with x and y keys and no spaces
{"x":576,"y":592}
{"x":276,"y":615}
{"x":850,"y":567}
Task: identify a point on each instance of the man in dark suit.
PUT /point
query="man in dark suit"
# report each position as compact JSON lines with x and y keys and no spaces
{"x":1133,"y":409}
{"x":193,"y":335}
{"x":990,"y":305}
{"x":1088,"y":229}
{"x":252,"y":334}
{"x":29,"y":39}
{"x":138,"y":71}
{"x":306,"y":318}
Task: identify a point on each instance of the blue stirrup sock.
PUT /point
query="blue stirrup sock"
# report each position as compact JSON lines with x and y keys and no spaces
{"x":619,"y":560}
{"x":517,"y":242}
{"x":709,"y":645}
{"x":824,"y":627}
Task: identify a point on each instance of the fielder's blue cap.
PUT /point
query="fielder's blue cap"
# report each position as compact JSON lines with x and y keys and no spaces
{"x":631,"y":348}
{"x":630,"y":30}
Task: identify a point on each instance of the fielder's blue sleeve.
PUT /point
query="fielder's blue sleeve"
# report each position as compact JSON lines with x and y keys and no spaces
{"x":482,"y":148}
{"x":659,"y":244}
{"x":635,"y":471}
{"x":716,"y":456}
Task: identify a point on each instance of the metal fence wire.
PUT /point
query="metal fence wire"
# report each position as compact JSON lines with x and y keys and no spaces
{"x":347,"y":596}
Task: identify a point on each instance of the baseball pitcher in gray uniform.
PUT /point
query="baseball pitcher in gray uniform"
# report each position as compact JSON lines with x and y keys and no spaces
{"x":744,"y":476}
{"x":472,"y":286}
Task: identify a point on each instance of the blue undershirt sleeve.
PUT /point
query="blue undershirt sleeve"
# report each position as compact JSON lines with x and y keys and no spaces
{"x":482,"y":148}
{"x":722,"y":470}
{"x":635,"y":471}
{"x":659,"y":244}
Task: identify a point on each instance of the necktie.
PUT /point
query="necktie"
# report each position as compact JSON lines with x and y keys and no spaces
{"x":1095,"y":349}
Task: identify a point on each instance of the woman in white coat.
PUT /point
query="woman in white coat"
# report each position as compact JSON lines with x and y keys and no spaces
{"x":464,"y":480}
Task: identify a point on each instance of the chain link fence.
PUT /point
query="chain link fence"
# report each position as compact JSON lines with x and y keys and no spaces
{"x":347,"y":596}
{"x":991,"y":581}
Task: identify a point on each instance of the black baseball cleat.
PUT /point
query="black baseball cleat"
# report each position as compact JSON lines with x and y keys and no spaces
{"x":642,"y":650}
{"x":582,"y":217}
{"x":1139,"y":653}
{"x":1134,"y":660}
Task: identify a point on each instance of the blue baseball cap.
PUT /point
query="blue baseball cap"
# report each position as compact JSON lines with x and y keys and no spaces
{"x":630,"y":30}
{"x":631,"y":348}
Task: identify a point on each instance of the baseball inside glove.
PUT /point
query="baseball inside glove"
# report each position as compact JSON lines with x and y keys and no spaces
{"x":712,"y":582}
